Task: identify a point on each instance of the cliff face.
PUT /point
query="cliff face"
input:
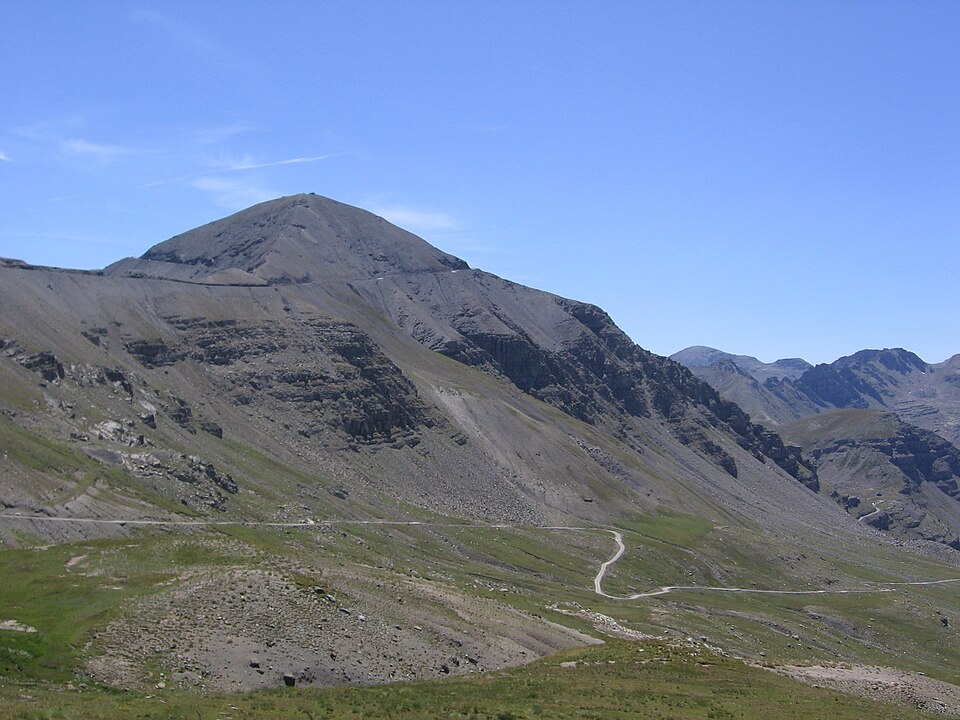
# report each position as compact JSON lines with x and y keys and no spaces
{"x":922,"y":457}
{"x":864,"y":379}
{"x":319,"y":374}
{"x":571,"y":355}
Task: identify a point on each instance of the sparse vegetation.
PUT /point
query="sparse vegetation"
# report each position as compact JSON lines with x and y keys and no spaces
{"x":617,"y":680}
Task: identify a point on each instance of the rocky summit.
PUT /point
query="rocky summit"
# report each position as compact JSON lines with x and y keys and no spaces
{"x":301,"y":446}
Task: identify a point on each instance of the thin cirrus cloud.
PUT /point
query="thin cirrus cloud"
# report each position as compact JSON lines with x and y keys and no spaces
{"x":220,"y":133}
{"x":183,"y":36}
{"x":248,"y":165}
{"x":180,"y":33}
{"x":99,"y":151}
{"x":69,"y":238}
{"x":241,"y":165}
{"x":4,"y":157}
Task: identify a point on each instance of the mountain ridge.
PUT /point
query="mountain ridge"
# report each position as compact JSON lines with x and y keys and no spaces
{"x":896,"y":379}
{"x":230,"y":337}
{"x":703,"y":356}
{"x":298,"y":238}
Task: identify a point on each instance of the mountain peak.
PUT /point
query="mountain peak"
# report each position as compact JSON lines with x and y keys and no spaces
{"x":698,"y":356}
{"x":299,"y":238}
{"x":895,"y":359}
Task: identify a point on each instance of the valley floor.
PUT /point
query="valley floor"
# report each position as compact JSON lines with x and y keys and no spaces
{"x":173,"y":608}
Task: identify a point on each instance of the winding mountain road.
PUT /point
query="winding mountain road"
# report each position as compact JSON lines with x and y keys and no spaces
{"x":876,"y":509}
{"x":597,"y":580}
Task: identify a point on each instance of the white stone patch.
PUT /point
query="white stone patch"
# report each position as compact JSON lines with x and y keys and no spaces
{"x":16,"y":626}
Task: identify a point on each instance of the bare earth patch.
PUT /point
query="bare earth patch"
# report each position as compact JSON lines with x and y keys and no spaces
{"x":881,"y":683}
{"x":246,"y":628}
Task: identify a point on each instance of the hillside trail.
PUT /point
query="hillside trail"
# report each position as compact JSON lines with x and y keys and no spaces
{"x":873,"y":587}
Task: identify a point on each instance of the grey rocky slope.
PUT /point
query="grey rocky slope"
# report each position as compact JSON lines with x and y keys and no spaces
{"x":566,"y":353}
{"x":888,"y":473}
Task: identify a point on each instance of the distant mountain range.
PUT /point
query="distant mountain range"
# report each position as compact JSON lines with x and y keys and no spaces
{"x":832,"y":409}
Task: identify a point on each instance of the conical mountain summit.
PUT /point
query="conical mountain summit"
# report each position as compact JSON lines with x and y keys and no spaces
{"x":302,"y":238}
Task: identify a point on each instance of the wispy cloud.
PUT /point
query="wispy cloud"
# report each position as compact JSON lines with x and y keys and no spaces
{"x":247,"y":162}
{"x":413,"y":219}
{"x":60,"y":198}
{"x":467,"y":244}
{"x":232,"y":193}
{"x":68,"y":237}
{"x":183,"y":36}
{"x":4,"y":157}
{"x":51,"y":130}
{"x":98,"y":151}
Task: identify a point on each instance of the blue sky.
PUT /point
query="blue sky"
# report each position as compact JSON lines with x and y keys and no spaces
{"x":773,"y":178}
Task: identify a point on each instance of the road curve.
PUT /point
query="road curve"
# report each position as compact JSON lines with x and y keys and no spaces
{"x":876,"y":509}
{"x":598,"y":580}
